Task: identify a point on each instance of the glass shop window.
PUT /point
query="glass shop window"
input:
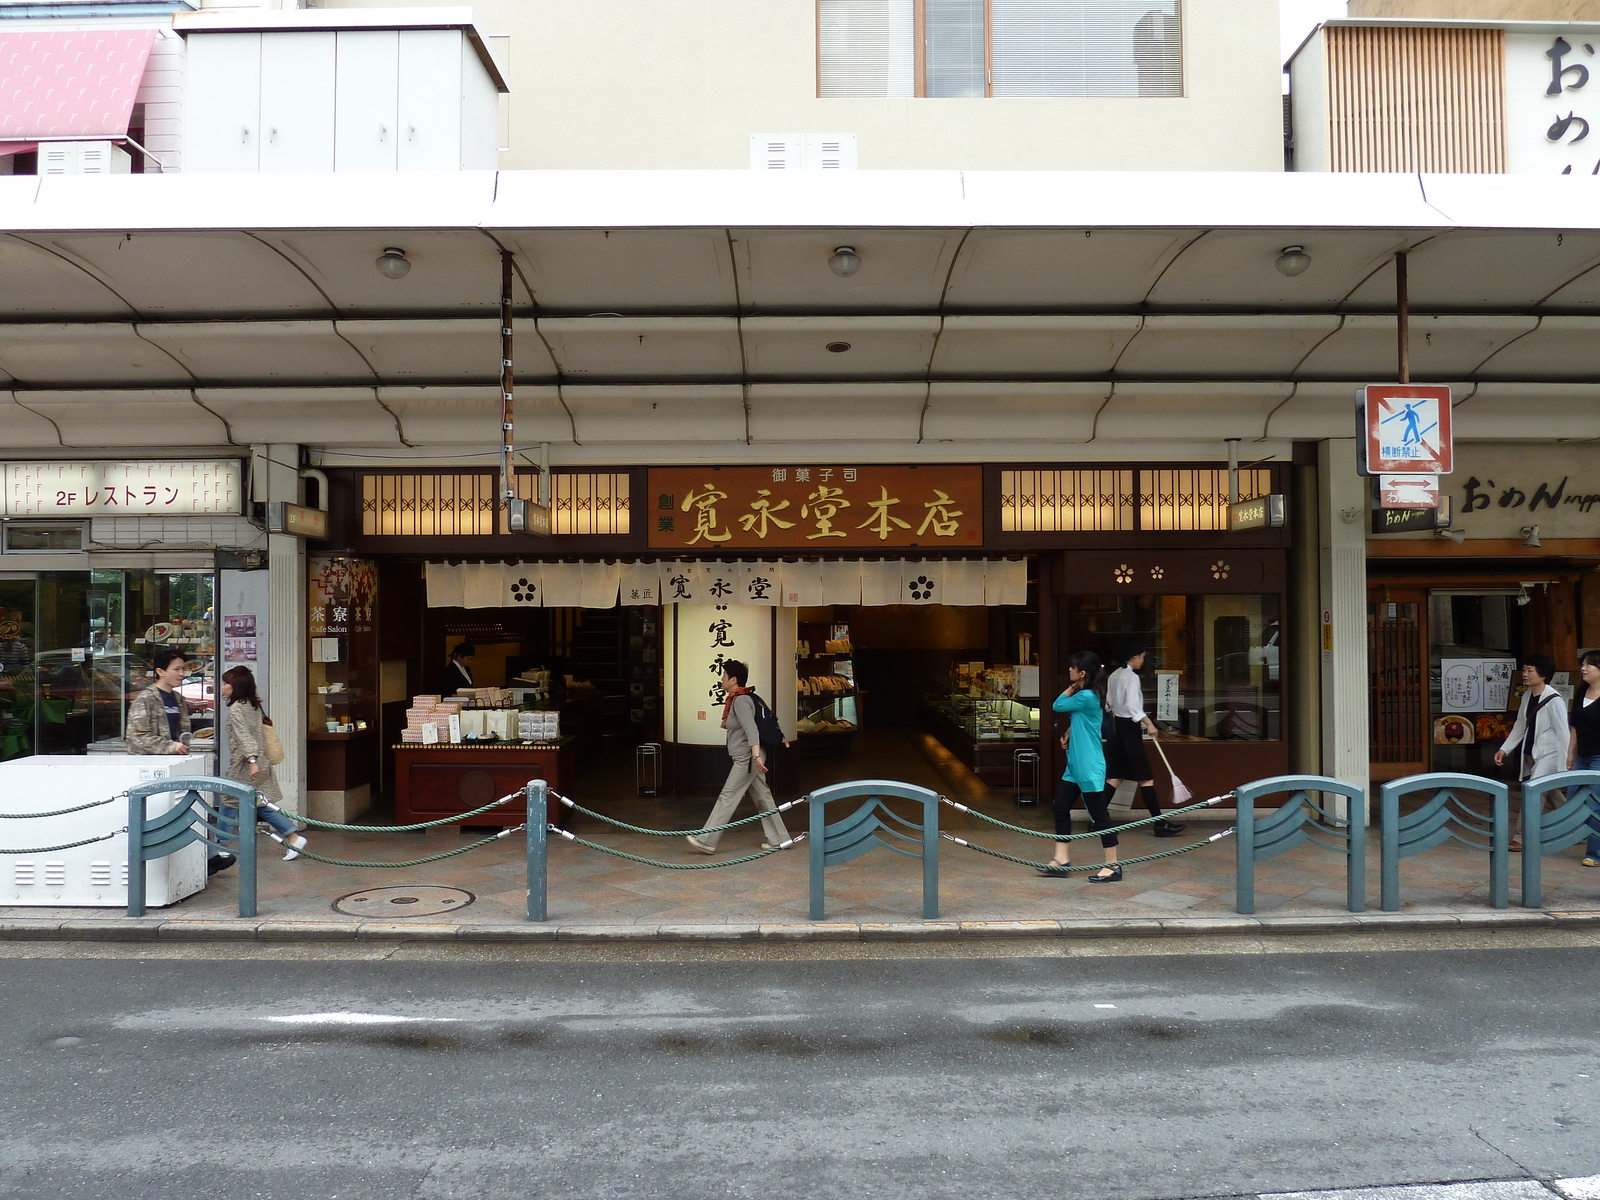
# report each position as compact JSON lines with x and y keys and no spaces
{"x":1212,"y":669}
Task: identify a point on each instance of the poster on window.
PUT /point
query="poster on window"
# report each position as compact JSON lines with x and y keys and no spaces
{"x":1475,"y":684}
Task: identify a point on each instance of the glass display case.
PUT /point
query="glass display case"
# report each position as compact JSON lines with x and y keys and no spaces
{"x":828,"y":703}
{"x":75,"y":650}
{"x":976,"y":713}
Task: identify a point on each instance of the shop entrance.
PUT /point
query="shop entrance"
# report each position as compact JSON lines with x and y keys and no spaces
{"x":939,"y":695}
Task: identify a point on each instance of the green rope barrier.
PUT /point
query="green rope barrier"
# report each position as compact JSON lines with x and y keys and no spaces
{"x":669,"y":866}
{"x":1076,"y":837}
{"x":60,"y":811}
{"x":105,"y":837}
{"x":1099,"y":866}
{"x":455,"y":820}
{"x":589,"y":812}
{"x":410,"y":862}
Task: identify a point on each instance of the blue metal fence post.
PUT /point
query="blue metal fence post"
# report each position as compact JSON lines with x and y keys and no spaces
{"x":1389,"y":846}
{"x":1356,"y":868}
{"x":1532,"y":844}
{"x":819,"y":824}
{"x":136,"y":855}
{"x":538,"y":839}
{"x":1499,"y":843}
{"x":247,"y":855}
{"x":1244,"y":834}
{"x":930,"y":860}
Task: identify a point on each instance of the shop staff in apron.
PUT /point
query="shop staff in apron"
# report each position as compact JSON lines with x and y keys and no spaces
{"x":459,"y":673}
{"x":1125,"y":753}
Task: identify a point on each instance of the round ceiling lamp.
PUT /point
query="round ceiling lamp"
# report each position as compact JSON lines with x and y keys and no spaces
{"x":393,"y":263}
{"x":844,"y":261}
{"x":1293,"y":261}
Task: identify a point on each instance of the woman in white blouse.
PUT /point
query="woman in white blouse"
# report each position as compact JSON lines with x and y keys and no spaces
{"x":1125,"y":752}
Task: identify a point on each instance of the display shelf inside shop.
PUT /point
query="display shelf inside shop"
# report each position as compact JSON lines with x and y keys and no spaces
{"x":828,"y":703}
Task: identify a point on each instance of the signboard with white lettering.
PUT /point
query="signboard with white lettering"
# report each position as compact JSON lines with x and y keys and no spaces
{"x":1408,"y":491}
{"x":1264,"y":512}
{"x":123,"y":489}
{"x":1404,"y":428}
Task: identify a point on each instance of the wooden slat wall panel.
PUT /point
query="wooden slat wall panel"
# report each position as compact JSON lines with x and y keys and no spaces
{"x":1416,"y":100}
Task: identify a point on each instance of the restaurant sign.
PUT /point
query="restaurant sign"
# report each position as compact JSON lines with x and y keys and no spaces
{"x":211,"y":487}
{"x":810,"y":507}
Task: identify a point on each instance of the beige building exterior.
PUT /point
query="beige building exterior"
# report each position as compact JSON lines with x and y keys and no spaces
{"x":637,"y":84}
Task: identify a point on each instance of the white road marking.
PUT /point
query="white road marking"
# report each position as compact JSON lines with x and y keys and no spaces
{"x":352,"y":1018}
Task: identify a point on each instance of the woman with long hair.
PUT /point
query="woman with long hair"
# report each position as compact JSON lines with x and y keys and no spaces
{"x":1085,"y":776}
{"x":1125,"y":752}
{"x":247,"y":756}
{"x":1583,"y":750}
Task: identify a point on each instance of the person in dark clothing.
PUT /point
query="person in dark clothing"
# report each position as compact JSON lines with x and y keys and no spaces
{"x":459,"y":673}
{"x":1583,"y":751}
{"x":1125,"y":753}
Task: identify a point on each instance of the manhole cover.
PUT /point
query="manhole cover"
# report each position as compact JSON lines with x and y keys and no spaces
{"x":389,"y":902}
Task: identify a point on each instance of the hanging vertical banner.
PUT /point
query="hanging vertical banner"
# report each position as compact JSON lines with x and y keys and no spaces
{"x":701,"y":639}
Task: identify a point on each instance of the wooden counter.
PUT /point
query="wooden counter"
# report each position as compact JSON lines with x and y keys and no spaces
{"x":447,"y":779}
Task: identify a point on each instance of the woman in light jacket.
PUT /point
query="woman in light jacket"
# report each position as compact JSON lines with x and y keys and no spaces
{"x":1085,"y":776}
{"x":1540,"y":735}
{"x":247,"y":755}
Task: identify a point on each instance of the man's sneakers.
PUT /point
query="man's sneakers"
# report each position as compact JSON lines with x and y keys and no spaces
{"x":696,"y":844}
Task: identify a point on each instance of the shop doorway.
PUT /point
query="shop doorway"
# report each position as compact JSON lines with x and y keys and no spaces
{"x":939,"y":695}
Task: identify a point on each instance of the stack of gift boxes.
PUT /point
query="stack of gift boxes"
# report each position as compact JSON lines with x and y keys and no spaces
{"x":425,"y":711}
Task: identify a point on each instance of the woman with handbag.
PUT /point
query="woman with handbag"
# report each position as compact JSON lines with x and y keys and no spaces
{"x":250,"y":755}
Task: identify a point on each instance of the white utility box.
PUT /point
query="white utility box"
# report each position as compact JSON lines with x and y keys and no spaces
{"x":96,"y":875}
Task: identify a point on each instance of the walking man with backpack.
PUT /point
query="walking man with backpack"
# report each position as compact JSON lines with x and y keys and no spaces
{"x":749,"y":723}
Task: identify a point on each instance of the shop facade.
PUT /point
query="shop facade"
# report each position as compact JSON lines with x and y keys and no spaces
{"x":938,"y":601}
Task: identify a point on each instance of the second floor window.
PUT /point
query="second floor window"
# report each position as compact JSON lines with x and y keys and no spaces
{"x":965,"y":48}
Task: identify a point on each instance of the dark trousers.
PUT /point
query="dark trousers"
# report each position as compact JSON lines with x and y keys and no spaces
{"x":1098,"y":805}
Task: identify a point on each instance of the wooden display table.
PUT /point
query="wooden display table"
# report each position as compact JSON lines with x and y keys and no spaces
{"x":447,"y":779}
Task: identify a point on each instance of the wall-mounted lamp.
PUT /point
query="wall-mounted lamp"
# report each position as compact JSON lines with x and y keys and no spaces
{"x":393,"y":263}
{"x":844,"y":261}
{"x":1530,"y":536}
{"x":1350,"y":515}
{"x":1293,"y":261}
{"x":1451,"y":535}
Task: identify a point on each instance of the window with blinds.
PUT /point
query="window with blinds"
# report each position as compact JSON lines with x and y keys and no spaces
{"x":867,"y":48}
{"x":582,"y":502}
{"x":1194,"y":499}
{"x":1065,"y":501}
{"x":1018,"y":48}
{"x":463,"y":505}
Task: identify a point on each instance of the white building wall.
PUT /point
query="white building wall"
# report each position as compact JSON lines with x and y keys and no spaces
{"x":161,"y":93}
{"x":613,"y":84}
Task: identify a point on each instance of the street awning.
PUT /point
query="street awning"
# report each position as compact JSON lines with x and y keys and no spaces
{"x":7,"y":149}
{"x":70,"y":83}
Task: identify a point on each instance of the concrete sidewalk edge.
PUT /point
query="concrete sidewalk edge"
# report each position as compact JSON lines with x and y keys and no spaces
{"x":150,"y":929}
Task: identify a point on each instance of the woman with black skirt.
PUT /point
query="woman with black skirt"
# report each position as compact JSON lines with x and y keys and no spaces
{"x":1125,"y":752}
{"x":1085,"y":776}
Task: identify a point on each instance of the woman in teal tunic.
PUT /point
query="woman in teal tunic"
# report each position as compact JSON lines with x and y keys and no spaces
{"x":1085,"y":775}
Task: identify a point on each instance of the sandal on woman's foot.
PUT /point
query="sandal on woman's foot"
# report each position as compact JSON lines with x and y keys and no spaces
{"x":1055,"y":870}
{"x":1114,"y":877}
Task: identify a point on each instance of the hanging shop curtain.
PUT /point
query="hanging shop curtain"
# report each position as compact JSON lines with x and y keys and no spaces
{"x":967,"y":582}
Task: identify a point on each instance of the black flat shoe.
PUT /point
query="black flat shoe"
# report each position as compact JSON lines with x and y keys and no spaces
{"x":1114,"y":877}
{"x":219,"y":862}
{"x":1167,"y":828}
{"x":1055,"y":870}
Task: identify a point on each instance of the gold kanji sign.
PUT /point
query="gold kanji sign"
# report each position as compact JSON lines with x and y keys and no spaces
{"x":822,"y":508}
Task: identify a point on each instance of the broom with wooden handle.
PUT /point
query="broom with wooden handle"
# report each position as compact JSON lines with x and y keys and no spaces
{"x":1181,"y":795}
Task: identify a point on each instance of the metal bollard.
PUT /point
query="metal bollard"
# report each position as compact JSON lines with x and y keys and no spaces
{"x":647,"y":769}
{"x":535,"y":795}
{"x":1025,"y":766}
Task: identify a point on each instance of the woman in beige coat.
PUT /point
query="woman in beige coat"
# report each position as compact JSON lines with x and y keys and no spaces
{"x":247,"y":754}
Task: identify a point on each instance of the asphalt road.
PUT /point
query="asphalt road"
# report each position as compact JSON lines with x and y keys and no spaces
{"x":1022,"y":1077}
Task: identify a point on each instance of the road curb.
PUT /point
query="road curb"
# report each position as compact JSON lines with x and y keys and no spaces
{"x":163,"y":929}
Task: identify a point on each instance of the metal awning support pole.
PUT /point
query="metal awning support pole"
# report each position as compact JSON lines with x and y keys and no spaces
{"x":1402,"y":312}
{"x":1233,"y":471}
{"x":508,"y":424}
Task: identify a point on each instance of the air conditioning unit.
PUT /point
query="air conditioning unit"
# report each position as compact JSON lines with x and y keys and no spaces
{"x":84,"y":158}
{"x":802,"y":151}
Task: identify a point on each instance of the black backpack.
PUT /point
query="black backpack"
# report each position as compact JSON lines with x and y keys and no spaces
{"x":768,"y":731}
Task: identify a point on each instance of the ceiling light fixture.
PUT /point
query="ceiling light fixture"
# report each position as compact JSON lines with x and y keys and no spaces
{"x":838,"y":347}
{"x":845,"y":262}
{"x":393,"y":263}
{"x":1293,"y":261}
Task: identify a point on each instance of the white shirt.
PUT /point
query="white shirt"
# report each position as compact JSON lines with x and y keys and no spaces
{"x":1124,"y":696}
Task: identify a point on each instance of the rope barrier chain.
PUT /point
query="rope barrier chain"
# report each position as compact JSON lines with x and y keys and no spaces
{"x":1099,"y":866}
{"x":671,"y":866}
{"x":454,"y":820}
{"x":589,"y":812}
{"x":104,"y":837}
{"x":1075,"y":837}
{"x":410,"y":862}
{"x":61,"y":812}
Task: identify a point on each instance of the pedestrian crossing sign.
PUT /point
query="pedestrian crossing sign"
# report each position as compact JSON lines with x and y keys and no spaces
{"x":1404,"y":428}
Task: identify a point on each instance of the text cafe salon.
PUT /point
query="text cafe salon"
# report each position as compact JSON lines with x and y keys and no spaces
{"x":902,"y":621}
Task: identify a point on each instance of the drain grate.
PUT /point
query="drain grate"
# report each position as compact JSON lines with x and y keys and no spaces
{"x":426,"y":900}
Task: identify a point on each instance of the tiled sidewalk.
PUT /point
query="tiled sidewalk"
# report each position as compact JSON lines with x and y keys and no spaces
{"x":587,"y":887}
